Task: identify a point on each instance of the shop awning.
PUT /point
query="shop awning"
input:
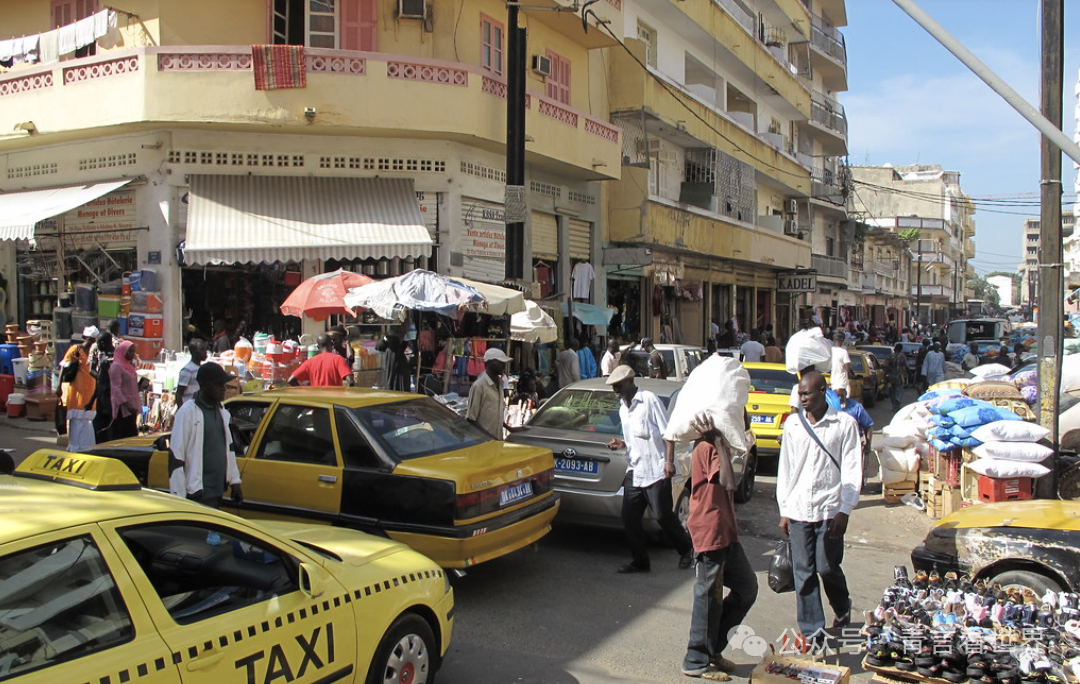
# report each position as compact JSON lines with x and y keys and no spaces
{"x":19,"y":211}
{"x":255,"y":219}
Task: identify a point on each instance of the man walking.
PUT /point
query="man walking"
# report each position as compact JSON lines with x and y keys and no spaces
{"x":186,"y":384}
{"x":752,"y":349}
{"x":568,"y":365}
{"x":201,"y":458}
{"x":817,"y":486}
{"x":933,"y":367}
{"x":840,"y":367}
{"x":325,"y":369}
{"x":721,"y":560}
{"x":610,"y":358}
{"x":650,"y":466}
{"x":487,"y":408}
{"x":896,"y":367}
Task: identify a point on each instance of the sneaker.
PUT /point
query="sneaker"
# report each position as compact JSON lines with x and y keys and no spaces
{"x":631,"y":568}
{"x":724,"y":664}
{"x":686,"y":560}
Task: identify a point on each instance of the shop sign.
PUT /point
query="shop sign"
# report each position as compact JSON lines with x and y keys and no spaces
{"x":108,"y":221}
{"x":796,"y":282}
{"x":483,"y":233}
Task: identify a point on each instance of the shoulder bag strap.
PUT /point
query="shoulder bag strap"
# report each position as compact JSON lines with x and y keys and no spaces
{"x":810,"y":429}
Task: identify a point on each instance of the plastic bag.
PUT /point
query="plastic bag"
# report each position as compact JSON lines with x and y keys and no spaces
{"x":781,"y":572}
{"x":807,"y":348}
{"x":720,"y":386}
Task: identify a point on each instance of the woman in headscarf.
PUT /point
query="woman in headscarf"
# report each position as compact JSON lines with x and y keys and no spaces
{"x":79,"y":390}
{"x":103,"y":393}
{"x":125,"y":400}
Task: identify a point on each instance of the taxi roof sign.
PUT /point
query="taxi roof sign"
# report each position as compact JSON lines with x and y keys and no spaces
{"x":82,"y":470}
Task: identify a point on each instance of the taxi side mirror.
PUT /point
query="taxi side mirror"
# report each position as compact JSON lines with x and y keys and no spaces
{"x":312,"y":580}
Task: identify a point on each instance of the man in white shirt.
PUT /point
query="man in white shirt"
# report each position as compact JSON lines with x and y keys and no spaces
{"x":648,"y":471}
{"x":840,"y":367}
{"x":933,"y":366}
{"x":752,"y":349}
{"x":610,"y":358}
{"x":817,"y":486}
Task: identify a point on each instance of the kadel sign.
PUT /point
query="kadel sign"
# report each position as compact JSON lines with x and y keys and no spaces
{"x":796,"y":281}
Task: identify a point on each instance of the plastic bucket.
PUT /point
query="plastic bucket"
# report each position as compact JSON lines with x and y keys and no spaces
{"x":21,"y":366}
{"x":8,"y":352}
{"x":261,"y":340}
{"x":85,"y":297}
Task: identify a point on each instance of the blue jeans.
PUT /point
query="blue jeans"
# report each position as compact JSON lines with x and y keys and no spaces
{"x":897,"y":396}
{"x":814,"y":554}
{"x":714,"y":616}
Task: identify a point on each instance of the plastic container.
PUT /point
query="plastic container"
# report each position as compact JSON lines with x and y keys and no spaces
{"x":146,"y":325}
{"x":110,"y":288}
{"x":125,"y":305}
{"x":148,"y":280}
{"x":1004,"y":488}
{"x":21,"y":367}
{"x":147,"y":348}
{"x":40,"y":329}
{"x":85,"y":297}
{"x":82,"y":319}
{"x":134,"y":281}
{"x":243,"y":350}
{"x":108,"y":306}
{"x":7,"y":386}
{"x":16,"y":405}
{"x":261,"y":340}
{"x":8,"y":352}
{"x":274,"y":352}
{"x":123,"y":326}
{"x":146,"y":302}
{"x":61,"y":323}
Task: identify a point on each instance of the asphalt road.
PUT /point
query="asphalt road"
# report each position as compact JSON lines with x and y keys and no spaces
{"x":558,"y":612}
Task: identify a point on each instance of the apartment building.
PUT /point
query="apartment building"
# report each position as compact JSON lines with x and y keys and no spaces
{"x":925,"y":205}
{"x":159,"y":138}
{"x":1031,"y":241}
{"x":731,"y":135}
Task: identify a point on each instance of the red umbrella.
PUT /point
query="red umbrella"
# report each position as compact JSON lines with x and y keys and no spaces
{"x":323,"y":295}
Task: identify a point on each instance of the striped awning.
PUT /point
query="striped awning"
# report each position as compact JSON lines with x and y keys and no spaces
{"x":19,"y":211}
{"x":263,"y":219}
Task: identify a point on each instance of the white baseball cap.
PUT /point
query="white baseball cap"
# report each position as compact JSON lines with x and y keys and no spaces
{"x":496,"y":355}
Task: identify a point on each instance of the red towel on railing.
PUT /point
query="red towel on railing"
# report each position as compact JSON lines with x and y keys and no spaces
{"x":278,"y":66}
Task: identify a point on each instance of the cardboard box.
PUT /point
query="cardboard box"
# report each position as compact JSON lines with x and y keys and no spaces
{"x":950,"y":501}
{"x":822,"y":672}
{"x":41,"y":407}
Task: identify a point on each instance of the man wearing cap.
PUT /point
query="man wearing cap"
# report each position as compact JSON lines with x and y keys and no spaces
{"x":325,"y":369}
{"x":79,"y":382}
{"x":648,"y":471}
{"x":186,"y":384}
{"x":487,"y":408}
{"x":656,"y":360}
{"x":201,"y":458}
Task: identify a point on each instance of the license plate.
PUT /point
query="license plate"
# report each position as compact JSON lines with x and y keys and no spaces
{"x":761,"y":419}
{"x":573,"y":466}
{"x":515,"y":493}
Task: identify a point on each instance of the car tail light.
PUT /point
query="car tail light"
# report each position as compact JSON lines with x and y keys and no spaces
{"x":784,"y":418}
{"x":486,"y":501}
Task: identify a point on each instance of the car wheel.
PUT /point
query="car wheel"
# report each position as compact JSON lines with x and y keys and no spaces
{"x":682,"y":508}
{"x":406,"y":654}
{"x":1025,"y":578}
{"x":745,"y":490}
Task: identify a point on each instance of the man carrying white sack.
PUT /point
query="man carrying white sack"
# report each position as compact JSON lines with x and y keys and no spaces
{"x":648,"y":473}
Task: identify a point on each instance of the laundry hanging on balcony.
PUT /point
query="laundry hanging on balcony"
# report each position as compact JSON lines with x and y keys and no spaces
{"x":48,"y":47}
{"x":278,"y":66}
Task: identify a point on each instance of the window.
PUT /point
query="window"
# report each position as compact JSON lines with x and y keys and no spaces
{"x":558,"y":82}
{"x":244,"y":421}
{"x":355,"y":450}
{"x":70,"y":11}
{"x":344,"y":24}
{"x":830,"y":248}
{"x":59,"y":602}
{"x":200,"y":570}
{"x":416,"y":428}
{"x":647,"y":35}
{"x":299,"y":434}
{"x":491,"y":45}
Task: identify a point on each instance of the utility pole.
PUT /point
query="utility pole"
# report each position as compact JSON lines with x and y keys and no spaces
{"x":918,"y":284}
{"x":514,"y":205}
{"x":1051,"y":280}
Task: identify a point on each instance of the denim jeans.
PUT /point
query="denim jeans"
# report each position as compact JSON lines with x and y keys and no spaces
{"x":656,"y":496}
{"x":814,"y":554}
{"x":897,"y":396}
{"x":714,"y":616}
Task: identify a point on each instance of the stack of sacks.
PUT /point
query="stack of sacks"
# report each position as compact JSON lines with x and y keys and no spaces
{"x":955,"y":419}
{"x":903,"y":449}
{"x":727,"y":408}
{"x":1009,"y":449}
{"x":952,"y":383}
{"x":808,"y":348}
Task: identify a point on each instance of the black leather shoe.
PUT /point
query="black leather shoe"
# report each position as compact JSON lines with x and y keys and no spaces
{"x":630,"y":569}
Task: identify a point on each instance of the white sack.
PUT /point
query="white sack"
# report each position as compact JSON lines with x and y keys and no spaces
{"x":1013,"y":451}
{"x":1010,"y":431}
{"x":993,"y":467}
{"x":889,"y":477}
{"x":990,"y":371}
{"x":720,"y":386}
{"x":898,"y":460}
{"x":900,"y":435}
{"x":904,"y":414}
{"x":807,"y":348}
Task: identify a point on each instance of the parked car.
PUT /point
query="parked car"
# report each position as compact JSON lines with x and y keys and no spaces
{"x":769,"y":404}
{"x":881,"y":353}
{"x":392,"y":463}
{"x":679,"y":359}
{"x":110,"y":582}
{"x":577,"y":424}
{"x":1013,"y":543}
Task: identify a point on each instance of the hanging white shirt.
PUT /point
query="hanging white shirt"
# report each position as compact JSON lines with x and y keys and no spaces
{"x":809,"y":486}
{"x":643,"y":426}
{"x":583,"y":277}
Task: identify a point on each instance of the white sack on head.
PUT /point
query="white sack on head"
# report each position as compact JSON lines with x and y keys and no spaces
{"x":807,"y":348}
{"x":720,"y":386}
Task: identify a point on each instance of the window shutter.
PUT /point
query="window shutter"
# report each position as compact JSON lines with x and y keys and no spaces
{"x":359,"y":25}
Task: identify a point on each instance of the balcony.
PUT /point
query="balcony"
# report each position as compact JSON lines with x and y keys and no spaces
{"x":935,"y":258}
{"x":885,"y":269}
{"x":826,"y":186}
{"x":357,"y":93}
{"x":930,"y":290}
{"x":830,"y":267}
{"x":827,"y":117}
{"x":828,"y":53}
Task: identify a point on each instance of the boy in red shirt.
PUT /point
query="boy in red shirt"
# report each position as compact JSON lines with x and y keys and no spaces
{"x":325,"y":369}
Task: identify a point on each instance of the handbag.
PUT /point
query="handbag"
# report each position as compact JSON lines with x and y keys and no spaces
{"x":781,"y":572}
{"x":70,"y":371}
{"x":60,"y":419}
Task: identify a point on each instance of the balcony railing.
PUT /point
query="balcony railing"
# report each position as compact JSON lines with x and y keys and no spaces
{"x":832,"y":267}
{"x":886,"y":269}
{"x":739,"y":14}
{"x":827,"y":39}
{"x":828,"y":112}
{"x":929,"y":290}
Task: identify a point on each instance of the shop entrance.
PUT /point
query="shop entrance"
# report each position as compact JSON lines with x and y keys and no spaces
{"x":246,"y":296}
{"x":625,"y":296}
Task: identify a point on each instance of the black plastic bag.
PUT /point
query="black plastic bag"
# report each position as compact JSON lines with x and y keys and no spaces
{"x":60,"y":419}
{"x":781,"y":573}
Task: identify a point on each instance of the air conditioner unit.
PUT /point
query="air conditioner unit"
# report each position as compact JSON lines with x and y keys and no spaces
{"x":792,"y":206}
{"x":790,"y":227}
{"x":541,"y":64}
{"x":412,"y":9}
{"x":648,"y":146}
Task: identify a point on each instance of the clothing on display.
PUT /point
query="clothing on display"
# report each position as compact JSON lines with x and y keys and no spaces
{"x":583,"y":276}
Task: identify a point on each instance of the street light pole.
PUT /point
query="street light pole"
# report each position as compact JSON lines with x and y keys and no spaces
{"x":514,"y":204}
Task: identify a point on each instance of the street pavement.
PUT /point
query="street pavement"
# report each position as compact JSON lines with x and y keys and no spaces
{"x":558,"y":613}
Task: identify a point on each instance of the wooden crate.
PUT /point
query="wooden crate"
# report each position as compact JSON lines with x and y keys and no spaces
{"x":893,"y":492}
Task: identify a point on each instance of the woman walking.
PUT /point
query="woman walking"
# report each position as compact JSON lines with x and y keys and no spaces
{"x":103,"y":393}
{"x":125,"y":401}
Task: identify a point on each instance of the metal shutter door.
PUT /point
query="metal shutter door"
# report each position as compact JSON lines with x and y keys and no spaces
{"x":545,"y":236}
{"x":580,"y":239}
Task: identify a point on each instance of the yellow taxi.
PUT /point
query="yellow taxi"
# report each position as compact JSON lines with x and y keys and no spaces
{"x":390,"y":463}
{"x":867,"y":377}
{"x":769,"y":403}
{"x":103,"y":581}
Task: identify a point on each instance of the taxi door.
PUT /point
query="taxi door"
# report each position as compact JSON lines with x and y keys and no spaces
{"x":294,"y":471}
{"x":70,"y":613}
{"x":227,"y":602}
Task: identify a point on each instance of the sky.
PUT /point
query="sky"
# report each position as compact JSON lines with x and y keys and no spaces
{"x":911,"y":101}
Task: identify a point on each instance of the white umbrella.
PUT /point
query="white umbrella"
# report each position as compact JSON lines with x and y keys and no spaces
{"x":533,"y":325}
{"x":427,"y":291}
{"x":500,"y":301}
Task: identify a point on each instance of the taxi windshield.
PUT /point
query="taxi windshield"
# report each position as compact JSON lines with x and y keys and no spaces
{"x":771,"y":381}
{"x":417,"y":428}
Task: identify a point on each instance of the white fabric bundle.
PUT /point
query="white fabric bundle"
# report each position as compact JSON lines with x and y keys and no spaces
{"x":1010,"y":431}
{"x":807,"y":348}
{"x":889,"y":477}
{"x":898,"y":460}
{"x":990,"y":371}
{"x":1013,"y":451}
{"x":995,"y":467}
{"x":904,"y":414}
{"x":81,"y":434}
{"x":720,"y":387}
